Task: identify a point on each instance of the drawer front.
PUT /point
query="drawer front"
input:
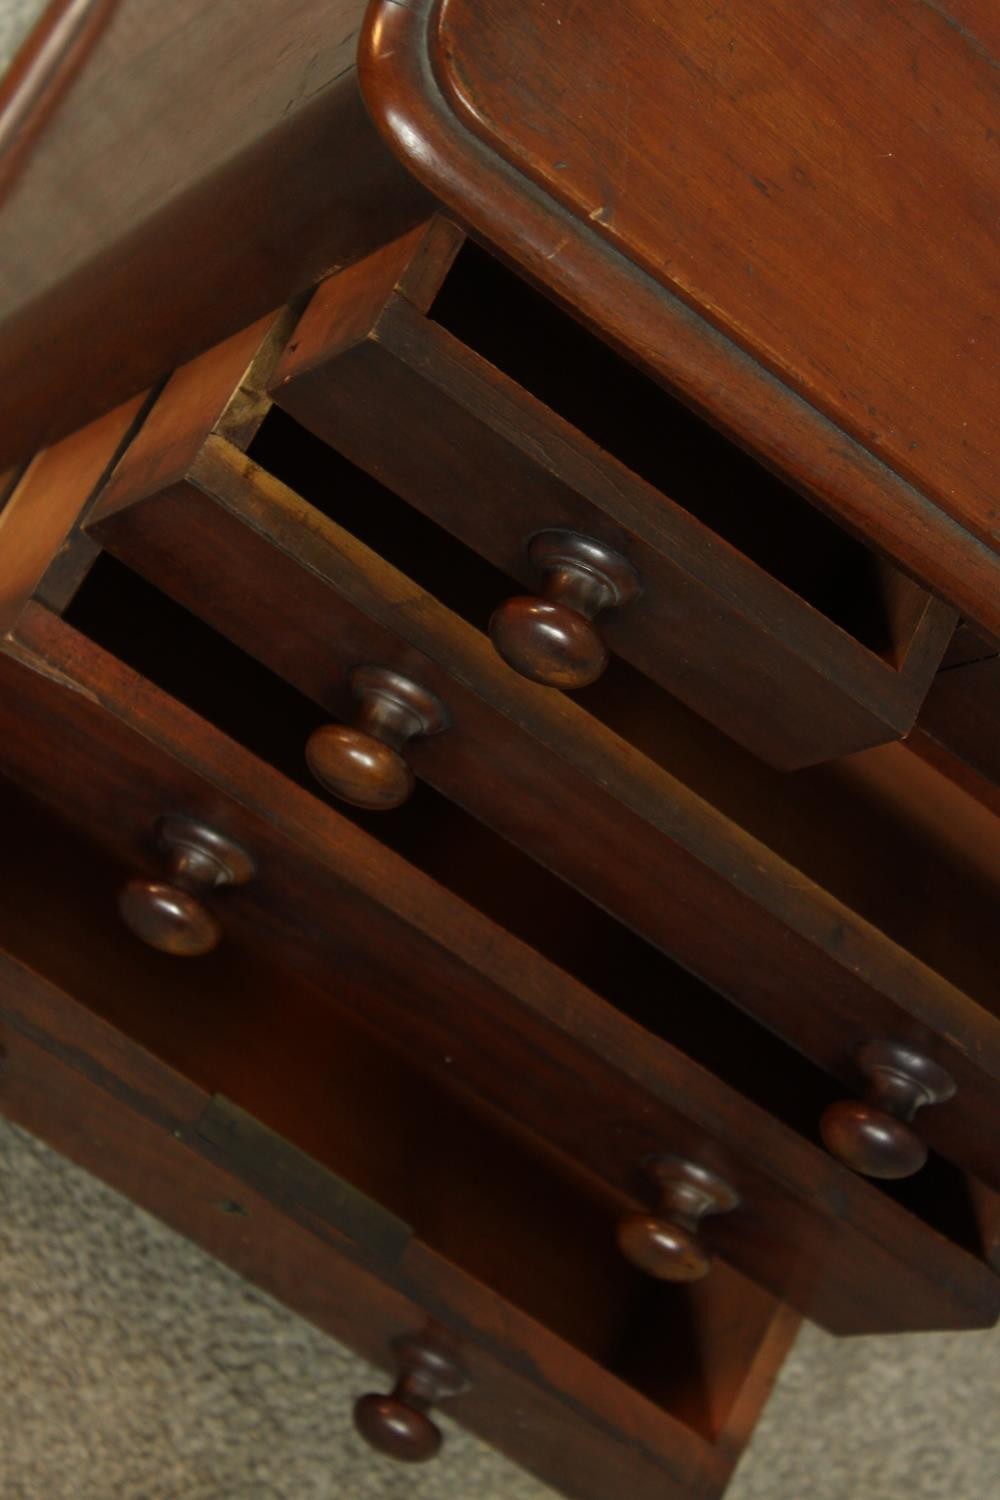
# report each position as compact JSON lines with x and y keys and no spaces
{"x":744,"y":602}
{"x":472,"y":1002}
{"x":823,"y":967}
{"x":88,"y":1092}
{"x":732,"y":236}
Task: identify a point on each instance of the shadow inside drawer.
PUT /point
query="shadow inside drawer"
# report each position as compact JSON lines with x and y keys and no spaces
{"x":492,"y":1200}
{"x":528,"y":337}
{"x":186,"y":658}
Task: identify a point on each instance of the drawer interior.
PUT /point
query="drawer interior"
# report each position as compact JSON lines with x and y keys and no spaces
{"x":154,"y":635}
{"x":893,"y":839}
{"x":890,"y":836}
{"x":408,"y":539}
{"x":234,"y":1024}
{"x":528,"y":337}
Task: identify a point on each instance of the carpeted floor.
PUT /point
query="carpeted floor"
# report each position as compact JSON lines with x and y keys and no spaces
{"x":133,"y":1367}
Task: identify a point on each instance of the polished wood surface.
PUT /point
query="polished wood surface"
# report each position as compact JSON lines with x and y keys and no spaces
{"x":772,"y":875}
{"x":874,"y":1135}
{"x":826,"y":182}
{"x":171,"y":914}
{"x":133,"y":1116}
{"x":751,"y":608}
{"x":429,"y":83}
{"x":539,"y":672}
{"x":666,"y":1245}
{"x":475,"y":1003}
{"x":397,"y":1424}
{"x":553,"y":639}
{"x":362,"y":762}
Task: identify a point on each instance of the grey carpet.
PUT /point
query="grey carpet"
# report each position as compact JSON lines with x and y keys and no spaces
{"x":133,"y":1367}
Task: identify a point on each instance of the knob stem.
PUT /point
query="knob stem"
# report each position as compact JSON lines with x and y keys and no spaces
{"x":900,"y":1080}
{"x":427,"y":1374}
{"x":584,"y":574}
{"x":579,"y":589}
{"x":169,"y":914}
{"x":397,"y":1424}
{"x":198,"y":859}
{"x":362,"y":762}
{"x":393,"y":708}
{"x":666,"y":1244}
{"x":551,"y":638}
{"x":873,"y":1135}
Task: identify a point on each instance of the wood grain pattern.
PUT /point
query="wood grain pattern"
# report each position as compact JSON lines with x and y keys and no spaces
{"x":468,"y":1000}
{"x":802,"y":196}
{"x":45,"y":505}
{"x":308,"y":599}
{"x":406,"y":400}
{"x":531,"y":1394}
{"x":421,"y":80}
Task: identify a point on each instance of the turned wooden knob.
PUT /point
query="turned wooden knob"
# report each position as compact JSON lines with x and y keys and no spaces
{"x":397,"y":1424}
{"x":169,"y":914}
{"x":552,"y":638}
{"x":362,"y":762}
{"x":873,"y":1135}
{"x":666,"y":1243}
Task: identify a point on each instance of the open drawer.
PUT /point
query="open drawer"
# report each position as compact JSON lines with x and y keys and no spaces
{"x":612,"y":1081}
{"x":293,"y":1142}
{"x":484,"y":405}
{"x":828,"y":905}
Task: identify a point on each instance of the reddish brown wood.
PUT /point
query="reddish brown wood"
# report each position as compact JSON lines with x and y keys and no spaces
{"x":170,"y":914}
{"x":407,"y":400}
{"x":553,"y":639}
{"x":794,"y":207}
{"x":468,"y":1000}
{"x":666,"y":1244}
{"x":456,"y":1046}
{"x":398,"y":1424}
{"x":874,"y":1135}
{"x":818,"y":940}
{"x":531,"y":1393}
{"x":362,"y":763}
{"x":548,"y":139}
{"x":44,"y":507}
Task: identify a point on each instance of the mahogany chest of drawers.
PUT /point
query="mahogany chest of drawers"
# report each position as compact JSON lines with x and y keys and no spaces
{"x":498,"y":708}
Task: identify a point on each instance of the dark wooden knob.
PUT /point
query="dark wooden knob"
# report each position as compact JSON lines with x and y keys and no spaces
{"x":169,"y":914}
{"x":362,"y":762}
{"x":666,"y":1243}
{"x":873,"y":1135}
{"x":552,"y":638}
{"x":397,"y":1424}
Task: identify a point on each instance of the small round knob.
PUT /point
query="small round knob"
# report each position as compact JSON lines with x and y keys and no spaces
{"x":362,"y":763}
{"x":397,"y":1424}
{"x":873,"y":1135}
{"x":552,"y":639}
{"x":666,"y":1244}
{"x":169,"y":914}
{"x":399,"y":1431}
